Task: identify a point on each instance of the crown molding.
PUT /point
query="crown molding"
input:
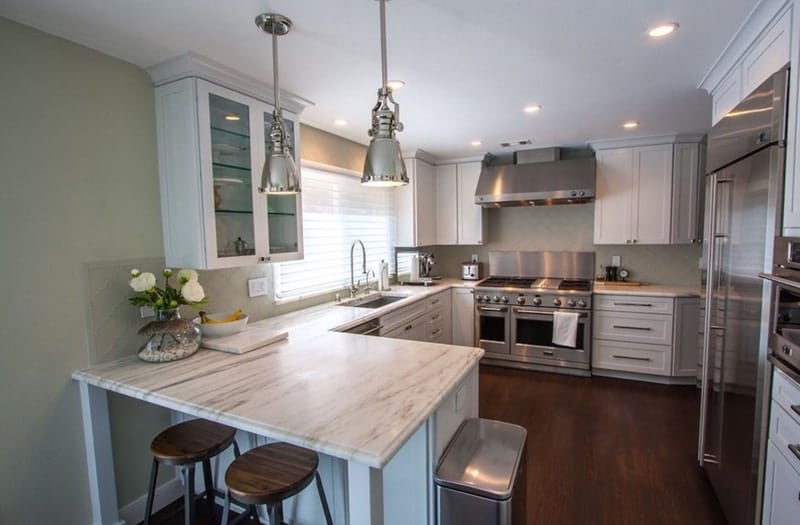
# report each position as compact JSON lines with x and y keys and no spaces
{"x":676,"y":138}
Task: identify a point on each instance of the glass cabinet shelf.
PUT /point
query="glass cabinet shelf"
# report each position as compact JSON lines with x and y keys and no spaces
{"x":217,"y":132}
{"x":245,"y":212}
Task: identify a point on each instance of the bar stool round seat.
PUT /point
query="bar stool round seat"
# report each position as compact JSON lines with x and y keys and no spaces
{"x":183,"y":445}
{"x":269,"y":474}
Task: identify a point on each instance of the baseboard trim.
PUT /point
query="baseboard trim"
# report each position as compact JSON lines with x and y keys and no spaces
{"x":133,"y":512}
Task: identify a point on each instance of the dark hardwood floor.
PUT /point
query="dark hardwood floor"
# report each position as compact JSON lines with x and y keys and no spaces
{"x":604,"y":451}
{"x":600,"y":451}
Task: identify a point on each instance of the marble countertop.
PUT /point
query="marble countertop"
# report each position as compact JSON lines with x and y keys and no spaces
{"x":350,"y":396}
{"x":652,"y":290}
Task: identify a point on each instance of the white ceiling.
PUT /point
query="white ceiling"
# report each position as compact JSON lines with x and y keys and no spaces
{"x":470,"y":65}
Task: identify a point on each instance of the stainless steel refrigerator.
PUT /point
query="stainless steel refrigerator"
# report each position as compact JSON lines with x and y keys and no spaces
{"x":744,"y":192}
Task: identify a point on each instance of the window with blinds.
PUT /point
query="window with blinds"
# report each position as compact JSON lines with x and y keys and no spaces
{"x":337,"y":210}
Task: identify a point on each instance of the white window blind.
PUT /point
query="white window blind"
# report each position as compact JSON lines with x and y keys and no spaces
{"x":337,"y":210}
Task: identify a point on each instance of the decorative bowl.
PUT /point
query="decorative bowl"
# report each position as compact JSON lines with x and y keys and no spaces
{"x":222,"y":328}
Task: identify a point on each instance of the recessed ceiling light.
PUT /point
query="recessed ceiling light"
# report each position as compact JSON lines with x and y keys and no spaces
{"x":396,"y":84}
{"x":232,"y":117}
{"x":662,"y":29}
{"x":476,"y":143}
{"x":630,"y":124}
{"x":533,"y":109}
{"x":340,"y":122}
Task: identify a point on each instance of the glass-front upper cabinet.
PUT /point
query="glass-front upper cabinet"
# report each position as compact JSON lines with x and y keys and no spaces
{"x":212,"y":146}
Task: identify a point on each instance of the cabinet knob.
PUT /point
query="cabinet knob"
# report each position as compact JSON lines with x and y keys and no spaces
{"x":265,"y":259}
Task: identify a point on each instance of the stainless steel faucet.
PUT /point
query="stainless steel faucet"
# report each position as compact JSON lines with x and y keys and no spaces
{"x":353,"y":288}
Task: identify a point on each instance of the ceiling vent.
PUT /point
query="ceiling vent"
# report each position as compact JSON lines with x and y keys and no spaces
{"x":515,"y":143}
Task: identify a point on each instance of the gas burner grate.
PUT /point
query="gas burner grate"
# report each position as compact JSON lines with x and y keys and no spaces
{"x":507,"y":282}
{"x":575,"y":284}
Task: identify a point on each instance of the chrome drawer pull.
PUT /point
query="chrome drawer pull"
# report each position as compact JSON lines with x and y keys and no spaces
{"x":796,"y":409}
{"x":435,"y":317}
{"x":548,"y":352}
{"x":436,"y":332}
{"x":435,"y":301}
{"x":795,"y":450}
{"x":633,"y":358}
{"x":643,"y":328}
{"x":633,"y":304}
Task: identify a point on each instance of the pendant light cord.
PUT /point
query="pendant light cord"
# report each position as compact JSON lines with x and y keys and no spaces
{"x":275,"y":73}
{"x":383,"y":45}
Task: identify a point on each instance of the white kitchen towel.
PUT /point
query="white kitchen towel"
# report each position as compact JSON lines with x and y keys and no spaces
{"x":565,"y":328}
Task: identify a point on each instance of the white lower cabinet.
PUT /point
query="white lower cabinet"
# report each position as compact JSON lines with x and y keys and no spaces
{"x":463,"y":320}
{"x":645,"y":335}
{"x":782,"y":469}
{"x":428,"y":319}
{"x":440,"y":313}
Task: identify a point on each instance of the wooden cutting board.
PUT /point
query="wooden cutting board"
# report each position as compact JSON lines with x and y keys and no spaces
{"x":617,"y":283}
{"x":248,"y":339}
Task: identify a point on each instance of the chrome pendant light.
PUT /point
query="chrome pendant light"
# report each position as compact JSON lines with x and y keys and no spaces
{"x":280,"y":174}
{"x":384,"y":164}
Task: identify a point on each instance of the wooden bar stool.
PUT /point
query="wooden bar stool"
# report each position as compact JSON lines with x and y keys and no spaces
{"x":183,"y":445}
{"x":269,"y":474}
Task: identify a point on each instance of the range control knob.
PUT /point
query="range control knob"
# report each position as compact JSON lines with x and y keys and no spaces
{"x":504,"y":299}
{"x":581,"y":303}
{"x":571,"y":302}
{"x":537,"y":301}
{"x":520,"y":300}
{"x":496,"y":299}
{"x":478,"y":298}
{"x":556,"y":302}
{"x":485,"y":298}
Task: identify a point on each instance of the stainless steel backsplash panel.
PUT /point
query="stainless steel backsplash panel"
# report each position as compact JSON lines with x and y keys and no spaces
{"x":570,"y":265}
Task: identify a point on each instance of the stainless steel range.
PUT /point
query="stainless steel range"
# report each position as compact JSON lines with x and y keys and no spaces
{"x":515,"y":310}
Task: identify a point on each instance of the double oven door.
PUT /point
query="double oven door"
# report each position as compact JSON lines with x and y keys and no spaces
{"x":492,"y":328}
{"x":532,"y":338}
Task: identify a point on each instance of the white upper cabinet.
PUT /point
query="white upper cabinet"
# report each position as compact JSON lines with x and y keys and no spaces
{"x":633,"y":202}
{"x":415,"y":206}
{"x":688,"y":190}
{"x":458,"y":219}
{"x":211,"y":147}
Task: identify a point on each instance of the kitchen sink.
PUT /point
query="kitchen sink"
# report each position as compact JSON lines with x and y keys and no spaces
{"x":374,"y":300}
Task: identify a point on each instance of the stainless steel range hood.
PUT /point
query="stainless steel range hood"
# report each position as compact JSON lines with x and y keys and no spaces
{"x":531,"y":181}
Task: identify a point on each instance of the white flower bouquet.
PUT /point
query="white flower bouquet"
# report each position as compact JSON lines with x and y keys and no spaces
{"x":188,"y":292}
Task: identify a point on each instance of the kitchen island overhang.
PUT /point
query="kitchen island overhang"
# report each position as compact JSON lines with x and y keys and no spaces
{"x":356,"y":398}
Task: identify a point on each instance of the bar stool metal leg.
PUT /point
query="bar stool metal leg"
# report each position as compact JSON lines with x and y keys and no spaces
{"x":323,"y":499}
{"x":226,"y":508}
{"x":209,"y":485}
{"x":188,"y":494}
{"x":275,"y":514}
{"x":151,"y":491}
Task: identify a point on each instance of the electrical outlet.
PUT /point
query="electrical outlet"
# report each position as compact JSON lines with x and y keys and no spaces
{"x":615,"y":260}
{"x":257,"y":287}
{"x":474,"y":257}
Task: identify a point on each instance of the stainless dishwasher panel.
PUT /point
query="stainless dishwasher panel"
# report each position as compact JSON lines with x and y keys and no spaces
{"x":481,"y":477}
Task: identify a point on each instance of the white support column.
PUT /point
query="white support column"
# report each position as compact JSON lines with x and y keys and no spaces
{"x":99,"y":460}
{"x":364,"y":494}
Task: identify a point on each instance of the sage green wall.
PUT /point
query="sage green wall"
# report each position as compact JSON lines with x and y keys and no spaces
{"x":78,"y":165}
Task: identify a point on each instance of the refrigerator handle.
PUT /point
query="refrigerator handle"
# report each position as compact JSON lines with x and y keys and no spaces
{"x":711,"y":285}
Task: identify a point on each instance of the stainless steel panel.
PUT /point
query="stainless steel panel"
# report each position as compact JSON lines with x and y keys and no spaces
{"x":569,"y":265}
{"x":758,"y":121}
{"x":459,"y":508}
{"x":743,"y":223}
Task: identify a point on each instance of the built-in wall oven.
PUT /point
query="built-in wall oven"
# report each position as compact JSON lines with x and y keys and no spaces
{"x":785,"y":277}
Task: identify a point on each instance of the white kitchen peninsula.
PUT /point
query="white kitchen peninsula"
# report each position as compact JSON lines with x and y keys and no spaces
{"x":359,"y":401}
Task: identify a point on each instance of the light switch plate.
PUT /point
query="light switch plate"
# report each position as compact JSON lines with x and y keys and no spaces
{"x":615,"y":260}
{"x":257,"y":287}
{"x":474,"y":257}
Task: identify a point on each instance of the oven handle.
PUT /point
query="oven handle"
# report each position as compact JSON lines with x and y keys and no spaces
{"x":493,"y":308}
{"x":538,"y":312}
{"x":794,"y":285}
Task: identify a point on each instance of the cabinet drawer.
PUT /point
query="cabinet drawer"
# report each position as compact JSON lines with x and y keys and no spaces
{"x":402,"y":316}
{"x":630,"y":357}
{"x":781,"y":489}
{"x":634,"y":303}
{"x":786,"y":393}
{"x":440,"y":300}
{"x":633,"y":328}
{"x":784,"y":433}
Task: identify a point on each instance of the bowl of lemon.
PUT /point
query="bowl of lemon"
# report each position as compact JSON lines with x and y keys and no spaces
{"x":221,"y":324}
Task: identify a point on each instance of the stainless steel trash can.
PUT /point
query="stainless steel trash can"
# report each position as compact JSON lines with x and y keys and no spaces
{"x":480,"y":479}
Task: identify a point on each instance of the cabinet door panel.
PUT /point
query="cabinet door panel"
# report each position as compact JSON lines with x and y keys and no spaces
{"x":470,"y":224}
{"x":781,"y":489}
{"x":463,"y":317}
{"x":446,"y":205}
{"x":653,"y":203}
{"x":612,"y":205}
{"x":768,"y":55}
{"x":727,"y":94}
{"x":425,"y":204}
{"x":686,"y":194}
